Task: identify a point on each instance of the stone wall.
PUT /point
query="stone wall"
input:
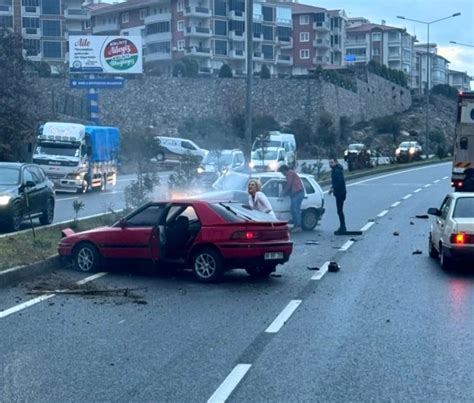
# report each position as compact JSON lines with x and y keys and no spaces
{"x":167,"y":102}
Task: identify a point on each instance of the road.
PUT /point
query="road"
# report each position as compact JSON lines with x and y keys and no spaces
{"x":390,"y":325}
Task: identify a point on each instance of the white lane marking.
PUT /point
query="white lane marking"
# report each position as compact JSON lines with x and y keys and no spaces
{"x":417,"y":190}
{"x":91,"y":278}
{"x":321,"y":272}
{"x":427,"y":185}
{"x":24,"y":305}
{"x":346,"y":246}
{"x":37,"y":300}
{"x":445,"y":177}
{"x":283,"y":317}
{"x":437,"y":180}
{"x":230,"y":383}
{"x":67,"y":198}
{"x":367,"y":226}
{"x":382,"y":213}
{"x":397,"y":203}
{"x":407,"y":196}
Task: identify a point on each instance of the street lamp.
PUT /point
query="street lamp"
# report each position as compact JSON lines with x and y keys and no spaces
{"x":462,"y":44}
{"x":428,"y":23}
{"x":248,"y":103}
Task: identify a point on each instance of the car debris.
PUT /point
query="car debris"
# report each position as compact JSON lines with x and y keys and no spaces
{"x":333,"y":267}
{"x":417,"y":252}
{"x":422,"y":216}
{"x":396,"y":233}
{"x":312,"y":243}
{"x":312,"y":268}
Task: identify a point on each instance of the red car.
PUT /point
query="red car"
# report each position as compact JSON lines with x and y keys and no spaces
{"x":208,"y":237}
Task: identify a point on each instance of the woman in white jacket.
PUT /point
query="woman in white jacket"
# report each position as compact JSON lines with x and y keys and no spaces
{"x":257,"y":199}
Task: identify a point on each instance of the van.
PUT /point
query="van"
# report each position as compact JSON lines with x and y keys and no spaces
{"x":175,"y":149}
{"x":268,"y":159}
{"x":275,"y":139}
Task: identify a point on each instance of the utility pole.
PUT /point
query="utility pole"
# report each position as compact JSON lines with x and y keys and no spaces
{"x":248,"y":104}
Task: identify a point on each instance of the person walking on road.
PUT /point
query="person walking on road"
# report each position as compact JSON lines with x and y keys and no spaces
{"x":257,"y":199}
{"x":295,"y":189}
{"x":338,"y":188}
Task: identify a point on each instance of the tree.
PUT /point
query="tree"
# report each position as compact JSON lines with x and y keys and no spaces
{"x":44,"y":69}
{"x":18,"y":116}
{"x":326,"y":132}
{"x":445,"y":90}
{"x":179,"y":69}
{"x":265,"y":72}
{"x":192,"y":66}
{"x":225,"y":71}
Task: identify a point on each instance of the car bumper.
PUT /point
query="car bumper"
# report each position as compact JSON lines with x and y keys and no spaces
{"x":248,"y":255}
{"x":65,"y":250}
{"x":459,"y":252}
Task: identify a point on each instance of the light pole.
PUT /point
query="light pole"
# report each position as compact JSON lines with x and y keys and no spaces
{"x":428,"y":23}
{"x":248,"y":104}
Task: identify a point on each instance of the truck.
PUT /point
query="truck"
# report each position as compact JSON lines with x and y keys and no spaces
{"x":76,"y":157}
{"x":462,"y":178}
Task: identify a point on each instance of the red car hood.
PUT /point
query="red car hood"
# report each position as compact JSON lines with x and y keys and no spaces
{"x":68,"y":232}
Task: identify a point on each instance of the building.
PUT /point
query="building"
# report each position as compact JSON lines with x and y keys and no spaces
{"x":390,"y":46}
{"x":459,"y":80}
{"x":437,"y":63}
{"x":45,"y":26}
{"x":213,"y":32}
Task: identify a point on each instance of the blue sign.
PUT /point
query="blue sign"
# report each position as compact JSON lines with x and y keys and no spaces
{"x":350,"y":58}
{"x":97,"y":83}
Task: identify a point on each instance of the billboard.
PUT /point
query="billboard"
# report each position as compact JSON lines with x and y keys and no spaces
{"x":105,"y":54}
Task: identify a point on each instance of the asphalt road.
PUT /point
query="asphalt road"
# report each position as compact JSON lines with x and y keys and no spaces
{"x":390,"y":325}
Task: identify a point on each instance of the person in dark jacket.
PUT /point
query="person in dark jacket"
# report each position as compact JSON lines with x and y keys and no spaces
{"x":338,"y":188}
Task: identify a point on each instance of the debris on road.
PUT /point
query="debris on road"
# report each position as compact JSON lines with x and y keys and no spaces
{"x":396,"y":233}
{"x":333,"y":267}
{"x":417,"y":252}
{"x":412,"y":223}
{"x":422,"y":216}
{"x":312,"y":242}
{"x":275,"y":275}
{"x":312,"y":268}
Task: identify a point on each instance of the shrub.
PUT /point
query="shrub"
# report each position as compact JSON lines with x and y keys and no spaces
{"x":265,"y":72}
{"x":179,"y":69}
{"x":192,"y":66}
{"x":445,"y":90}
{"x":325,"y":131}
{"x":225,"y":71}
{"x":344,"y":127}
{"x":388,"y":124}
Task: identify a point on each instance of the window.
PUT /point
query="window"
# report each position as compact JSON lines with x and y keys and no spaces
{"x":307,"y":186}
{"x":267,"y":51}
{"x":158,"y":27}
{"x":180,"y":26}
{"x":304,"y":19}
{"x":237,"y":5}
{"x":125,"y":33}
{"x":464,"y":208}
{"x":304,"y":54}
{"x":36,"y":174}
{"x":180,"y":45}
{"x":52,"y":50}
{"x":125,"y":18}
{"x":267,"y":13}
{"x":284,"y":34}
{"x":30,"y":22}
{"x":187,"y":145}
{"x":304,"y":36}
{"x":27,"y":176}
{"x":220,"y":28}
{"x":143,"y":13}
{"x":283,"y":15}
{"x":220,"y":7}
{"x":159,"y":47}
{"x":30,"y":3}
{"x":273,"y":188}
{"x":376,"y":36}
{"x":6,"y":21}
{"x":180,"y":6}
{"x":267,"y":32}
{"x":148,"y":217}
{"x":220,"y":47}
{"x":445,"y":208}
{"x":51,"y":7}
{"x":320,"y":17}
{"x":237,"y":26}
{"x":51,"y":28}
{"x":32,"y":47}
{"x":190,"y":213}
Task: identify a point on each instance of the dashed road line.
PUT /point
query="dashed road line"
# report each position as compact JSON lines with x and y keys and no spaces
{"x":346,"y":246}
{"x":322,"y":271}
{"x":66,"y":199}
{"x":230,"y":383}
{"x":367,"y":226}
{"x":91,"y":278}
{"x":445,"y":177}
{"x":407,"y":196}
{"x":417,"y":190}
{"x":382,"y":213}
{"x":437,"y":180}
{"x":283,"y":317}
{"x":397,"y":203}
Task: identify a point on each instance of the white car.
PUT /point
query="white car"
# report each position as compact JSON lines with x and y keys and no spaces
{"x":268,"y":159}
{"x":215,"y":163}
{"x":452,"y":230}
{"x":272,"y":184}
{"x":175,"y":149}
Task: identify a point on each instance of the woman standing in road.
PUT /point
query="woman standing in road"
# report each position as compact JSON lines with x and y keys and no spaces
{"x":257,"y":199}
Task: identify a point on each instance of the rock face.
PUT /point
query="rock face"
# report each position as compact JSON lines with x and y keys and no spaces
{"x":168,"y":102}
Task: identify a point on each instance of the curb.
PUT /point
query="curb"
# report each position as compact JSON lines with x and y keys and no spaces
{"x":20,"y":273}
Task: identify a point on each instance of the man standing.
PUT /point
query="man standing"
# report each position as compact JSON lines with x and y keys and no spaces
{"x":295,"y":189}
{"x":338,"y":188}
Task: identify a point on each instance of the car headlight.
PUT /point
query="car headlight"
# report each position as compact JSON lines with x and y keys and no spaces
{"x":200,"y":170}
{"x":4,"y":200}
{"x":412,"y":150}
{"x":252,"y":164}
{"x":346,"y":152}
{"x":273,"y":165}
{"x":397,"y":151}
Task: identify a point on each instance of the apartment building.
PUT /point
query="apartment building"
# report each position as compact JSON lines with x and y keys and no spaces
{"x":437,"y":63}
{"x":318,"y":37}
{"x":459,"y":80}
{"x":213,"y":32}
{"x":390,"y":46}
{"x":45,"y":26}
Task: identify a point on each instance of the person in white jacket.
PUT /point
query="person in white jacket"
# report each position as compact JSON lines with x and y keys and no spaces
{"x":257,"y":199}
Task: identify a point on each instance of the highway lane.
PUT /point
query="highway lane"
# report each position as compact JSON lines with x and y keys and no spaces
{"x":186,"y":341}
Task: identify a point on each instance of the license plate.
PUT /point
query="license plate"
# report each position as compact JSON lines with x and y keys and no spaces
{"x":273,"y":255}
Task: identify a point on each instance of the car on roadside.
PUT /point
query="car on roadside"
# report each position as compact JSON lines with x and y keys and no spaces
{"x":217,"y":162}
{"x":408,"y":151}
{"x":357,"y":156}
{"x":452,"y":230}
{"x":25,"y":192}
{"x":207,"y":237}
{"x":176,"y":150}
{"x":268,"y":159}
{"x":312,"y":208}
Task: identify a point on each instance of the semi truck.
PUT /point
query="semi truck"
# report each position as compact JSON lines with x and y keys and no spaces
{"x":76,"y":157}
{"x":462,"y":178}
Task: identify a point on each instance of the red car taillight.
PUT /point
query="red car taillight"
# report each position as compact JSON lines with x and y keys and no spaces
{"x":462,"y":239}
{"x":456,"y":184}
{"x":245,"y":235}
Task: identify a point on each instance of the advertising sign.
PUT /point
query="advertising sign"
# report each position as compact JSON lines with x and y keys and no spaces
{"x":105,"y":54}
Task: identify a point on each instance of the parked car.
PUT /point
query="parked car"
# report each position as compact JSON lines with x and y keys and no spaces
{"x":216,"y":163}
{"x":452,"y":230}
{"x":408,"y":151}
{"x":25,"y":192}
{"x":175,"y":149}
{"x":277,"y":139}
{"x":312,"y":208}
{"x":208,"y":237}
{"x":357,"y":156}
{"x":267,"y":159}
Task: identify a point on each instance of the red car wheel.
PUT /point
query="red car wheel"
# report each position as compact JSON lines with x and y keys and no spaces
{"x":86,"y":257}
{"x":207,"y":265}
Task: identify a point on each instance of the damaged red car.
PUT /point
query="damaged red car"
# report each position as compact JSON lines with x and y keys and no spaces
{"x":206,"y":237}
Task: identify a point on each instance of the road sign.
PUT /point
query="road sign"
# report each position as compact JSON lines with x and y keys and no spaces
{"x":350,"y":58}
{"x":97,"y":83}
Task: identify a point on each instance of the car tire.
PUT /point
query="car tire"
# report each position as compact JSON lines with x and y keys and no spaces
{"x":445,"y":261}
{"x":432,"y":252}
{"x":48,"y":213}
{"x":207,"y":265}
{"x":84,"y":188}
{"x":86,"y":257}
{"x":309,"y":219}
{"x":160,"y":157}
{"x":16,"y":218}
{"x":260,"y":271}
